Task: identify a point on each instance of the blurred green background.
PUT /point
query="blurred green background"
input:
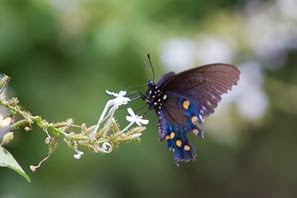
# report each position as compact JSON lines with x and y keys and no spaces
{"x":63,"y":54}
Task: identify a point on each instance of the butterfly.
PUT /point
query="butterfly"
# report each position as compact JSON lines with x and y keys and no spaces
{"x":182,"y":100}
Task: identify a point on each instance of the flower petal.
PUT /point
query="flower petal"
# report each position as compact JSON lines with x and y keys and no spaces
{"x":78,"y":155}
{"x":137,"y":121}
{"x":111,"y":93}
{"x":129,"y":118}
{"x":122,"y":93}
{"x":131,"y":112}
{"x":143,"y":121}
{"x":5,"y":122}
{"x":125,"y":100}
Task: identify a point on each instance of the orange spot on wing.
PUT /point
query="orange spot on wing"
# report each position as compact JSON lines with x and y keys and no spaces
{"x":187,"y":147}
{"x":178,"y":143}
{"x":194,"y":119}
{"x":172,"y":135}
{"x":186,"y":104}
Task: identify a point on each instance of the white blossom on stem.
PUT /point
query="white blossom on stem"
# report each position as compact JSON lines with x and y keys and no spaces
{"x":110,"y":107}
{"x":4,"y":122}
{"x":120,"y":99}
{"x":78,"y":154}
{"x":135,"y":118}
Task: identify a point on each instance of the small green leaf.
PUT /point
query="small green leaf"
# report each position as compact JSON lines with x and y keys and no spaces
{"x":7,"y":160}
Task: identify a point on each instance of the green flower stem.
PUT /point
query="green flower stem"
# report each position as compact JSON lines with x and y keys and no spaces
{"x":90,"y":137}
{"x":29,"y":118}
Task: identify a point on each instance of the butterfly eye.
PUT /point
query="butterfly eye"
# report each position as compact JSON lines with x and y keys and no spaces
{"x":150,"y":83}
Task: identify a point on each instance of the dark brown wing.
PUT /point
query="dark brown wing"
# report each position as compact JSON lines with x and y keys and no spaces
{"x":173,"y":111}
{"x":203,"y":85}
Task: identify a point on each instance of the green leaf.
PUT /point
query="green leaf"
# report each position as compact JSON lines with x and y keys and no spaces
{"x":7,"y":160}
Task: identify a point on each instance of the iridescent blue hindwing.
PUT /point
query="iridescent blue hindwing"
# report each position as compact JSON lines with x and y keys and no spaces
{"x":177,"y":141}
{"x":177,"y":118}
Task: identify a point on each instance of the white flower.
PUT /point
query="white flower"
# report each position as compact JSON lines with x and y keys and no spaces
{"x":121,"y":93}
{"x":110,"y":108}
{"x":135,"y":118}
{"x":4,"y":122}
{"x":120,"y":99}
{"x":78,"y":154}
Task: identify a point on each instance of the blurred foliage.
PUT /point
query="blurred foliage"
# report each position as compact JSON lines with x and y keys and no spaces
{"x":62,"y":56}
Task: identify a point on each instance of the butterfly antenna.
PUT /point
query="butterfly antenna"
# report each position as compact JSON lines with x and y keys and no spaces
{"x":146,"y":112}
{"x":132,"y":87}
{"x":149,"y":69}
{"x":152,"y":68}
{"x":134,"y":93}
{"x":140,"y":108}
{"x":132,"y":100}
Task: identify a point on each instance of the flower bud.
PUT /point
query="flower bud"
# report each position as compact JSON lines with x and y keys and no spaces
{"x":47,"y":140}
{"x":33,"y":168}
{"x":7,"y":138}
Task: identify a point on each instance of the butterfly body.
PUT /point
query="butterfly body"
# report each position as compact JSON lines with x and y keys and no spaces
{"x":182,"y":100}
{"x":154,"y":97}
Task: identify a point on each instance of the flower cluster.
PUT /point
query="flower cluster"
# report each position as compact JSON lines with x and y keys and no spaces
{"x":103,"y":137}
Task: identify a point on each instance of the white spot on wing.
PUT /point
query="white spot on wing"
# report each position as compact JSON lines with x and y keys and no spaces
{"x":200,"y":117}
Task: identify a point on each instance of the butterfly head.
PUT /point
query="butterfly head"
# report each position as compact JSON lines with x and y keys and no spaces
{"x":151,"y":83}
